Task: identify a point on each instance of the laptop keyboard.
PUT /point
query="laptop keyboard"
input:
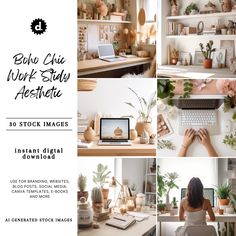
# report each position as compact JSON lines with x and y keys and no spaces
{"x":198,"y":118}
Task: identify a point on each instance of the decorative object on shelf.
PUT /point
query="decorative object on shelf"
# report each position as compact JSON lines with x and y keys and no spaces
{"x":174,"y":8}
{"x":188,"y":87}
{"x":165,"y":144}
{"x":144,"y":112}
{"x":174,"y":56}
{"x":97,"y":201}
{"x":223,"y":193}
{"x":82,"y":43}
{"x":100,"y":177}
{"x":142,"y":15}
{"x":233,"y":65}
{"x":230,"y":140}
{"x":185,"y":58}
{"x":228,"y":87}
{"x":218,"y":58}
{"x":82,"y":180}
{"x":152,"y":139}
{"x":209,"y":8}
{"x":85,"y":214}
{"x":226,"y":5}
{"x":144,"y":139}
{"x":198,"y":58}
{"x":86,"y":84}
{"x":229,"y":46}
{"x":191,"y":9}
{"x":174,"y":207}
{"x":89,"y":134}
{"x":207,"y":54}
{"x":133,"y":134}
{"x":200,"y":28}
{"x":224,"y":30}
{"x":101,"y":8}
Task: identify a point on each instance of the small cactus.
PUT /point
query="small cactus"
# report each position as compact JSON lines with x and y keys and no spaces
{"x":96,"y":195}
{"x":82,"y":180}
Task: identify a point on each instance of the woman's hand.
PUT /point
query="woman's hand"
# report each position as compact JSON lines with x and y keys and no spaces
{"x":188,"y":137}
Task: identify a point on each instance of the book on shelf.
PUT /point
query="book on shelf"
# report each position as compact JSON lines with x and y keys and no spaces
{"x":121,"y":222}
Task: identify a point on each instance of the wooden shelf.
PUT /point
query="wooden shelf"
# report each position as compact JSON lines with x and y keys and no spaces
{"x":103,"y":21}
{"x":217,"y":36}
{"x":210,"y":15}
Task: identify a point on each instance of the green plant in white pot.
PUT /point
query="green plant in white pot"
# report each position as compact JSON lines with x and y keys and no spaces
{"x":100,"y":177}
{"x":82,"y":181}
{"x":143,"y":111}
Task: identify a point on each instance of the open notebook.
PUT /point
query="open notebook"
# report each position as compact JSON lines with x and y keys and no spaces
{"x":121,"y":222}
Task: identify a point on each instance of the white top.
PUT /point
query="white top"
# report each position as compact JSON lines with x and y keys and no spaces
{"x":195,"y":218}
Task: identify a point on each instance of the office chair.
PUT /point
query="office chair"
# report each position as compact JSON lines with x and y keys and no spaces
{"x":203,"y":230}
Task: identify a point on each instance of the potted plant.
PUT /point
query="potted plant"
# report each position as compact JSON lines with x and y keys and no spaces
{"x":97,"y":200}
{"x":161,"y":206}
{"x":100,"y":178}
{"x":191,"y":9}
{"x":207,"y":54}
{"x":174,"y":207}
{"x":165,"y":90}
{"x":223,"y":193}
{"x":82,"y":180}
{"x":143,"y":110}
{"x":133,"y":189}
{"x":174,"y":7}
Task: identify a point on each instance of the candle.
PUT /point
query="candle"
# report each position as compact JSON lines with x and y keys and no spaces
{"x":123,"y":209}
{"x":130,"y":205}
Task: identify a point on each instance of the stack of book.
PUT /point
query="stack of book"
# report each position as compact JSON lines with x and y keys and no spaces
{"x":104,"y":215}
{"x":82,"y":123}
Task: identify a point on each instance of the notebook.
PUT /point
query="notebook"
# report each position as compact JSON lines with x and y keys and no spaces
{"x":121,"y":222}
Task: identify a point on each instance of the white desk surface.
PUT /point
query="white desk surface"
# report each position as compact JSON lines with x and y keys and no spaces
{"x":196,"y":148}
{"x":193,"y":72}
{"x":138,"y":229}
{"x":219,"y":218}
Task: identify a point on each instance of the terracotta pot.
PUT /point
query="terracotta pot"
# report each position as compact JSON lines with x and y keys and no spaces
{"x":224,"y":202}
{"x":89,"y":134}
{"x":133,"y":134}
{"x":226,"y":5}
{"x":105,"y":192}
{"x":141,"y":126}
{"x":82,"y":194}
{"x":221,"y":211}
{"x":207,"y":63}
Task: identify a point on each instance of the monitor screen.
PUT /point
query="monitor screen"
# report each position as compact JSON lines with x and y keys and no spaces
{"x":114,"y":128}
{"x":207,"y":192}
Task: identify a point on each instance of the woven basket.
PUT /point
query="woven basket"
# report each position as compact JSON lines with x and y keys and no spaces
{"x":86,"y":84}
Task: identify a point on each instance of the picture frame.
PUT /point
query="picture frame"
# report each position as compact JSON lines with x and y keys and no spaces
{"x":187,"y":56}
{"x":219,"y":57}
{"x":229,"y":46}
{"x":198,"y":58}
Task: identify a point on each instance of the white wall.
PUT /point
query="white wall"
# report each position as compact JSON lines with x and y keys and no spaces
{"x":110,"y":97}
{"x":204,"y":168}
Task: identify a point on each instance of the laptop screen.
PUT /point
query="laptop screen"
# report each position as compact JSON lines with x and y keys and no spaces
{"x":105,"y":50}
{"x":114,"y":129}
{"x":207,"y":192}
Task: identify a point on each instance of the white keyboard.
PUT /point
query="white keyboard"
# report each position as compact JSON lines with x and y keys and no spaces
{"x":197,"y":119}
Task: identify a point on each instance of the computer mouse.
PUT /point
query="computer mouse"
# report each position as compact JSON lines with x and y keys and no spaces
{"x":227,"y":126}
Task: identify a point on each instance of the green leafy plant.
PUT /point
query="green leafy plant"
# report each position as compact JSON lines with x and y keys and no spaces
{"x":165,"y":89}
{"x":165,"y":144}
{"x":166,"y":182}
{"x":82,"y":180}
{"x":229,"y":103}
{"x":223,"y":191}
{"x":100,"y":175}
{"x":188,"y":87}
{"x":192,"y":6}
{"x":230,"y":140}
{"x":145,"y":107}
{"x":207,"y":52}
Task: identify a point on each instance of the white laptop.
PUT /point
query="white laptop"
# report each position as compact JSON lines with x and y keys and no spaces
{"x":106,"y":53}
{"x":114,"y":132}
{"x":199,"y":112}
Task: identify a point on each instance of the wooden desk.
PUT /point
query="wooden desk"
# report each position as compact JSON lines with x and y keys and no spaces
{"x":193,"y":72}
{"x":219,"y":218}
{"x":136,"y":149}
{"x":142,"y":228}
{"x":91,"y":68}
